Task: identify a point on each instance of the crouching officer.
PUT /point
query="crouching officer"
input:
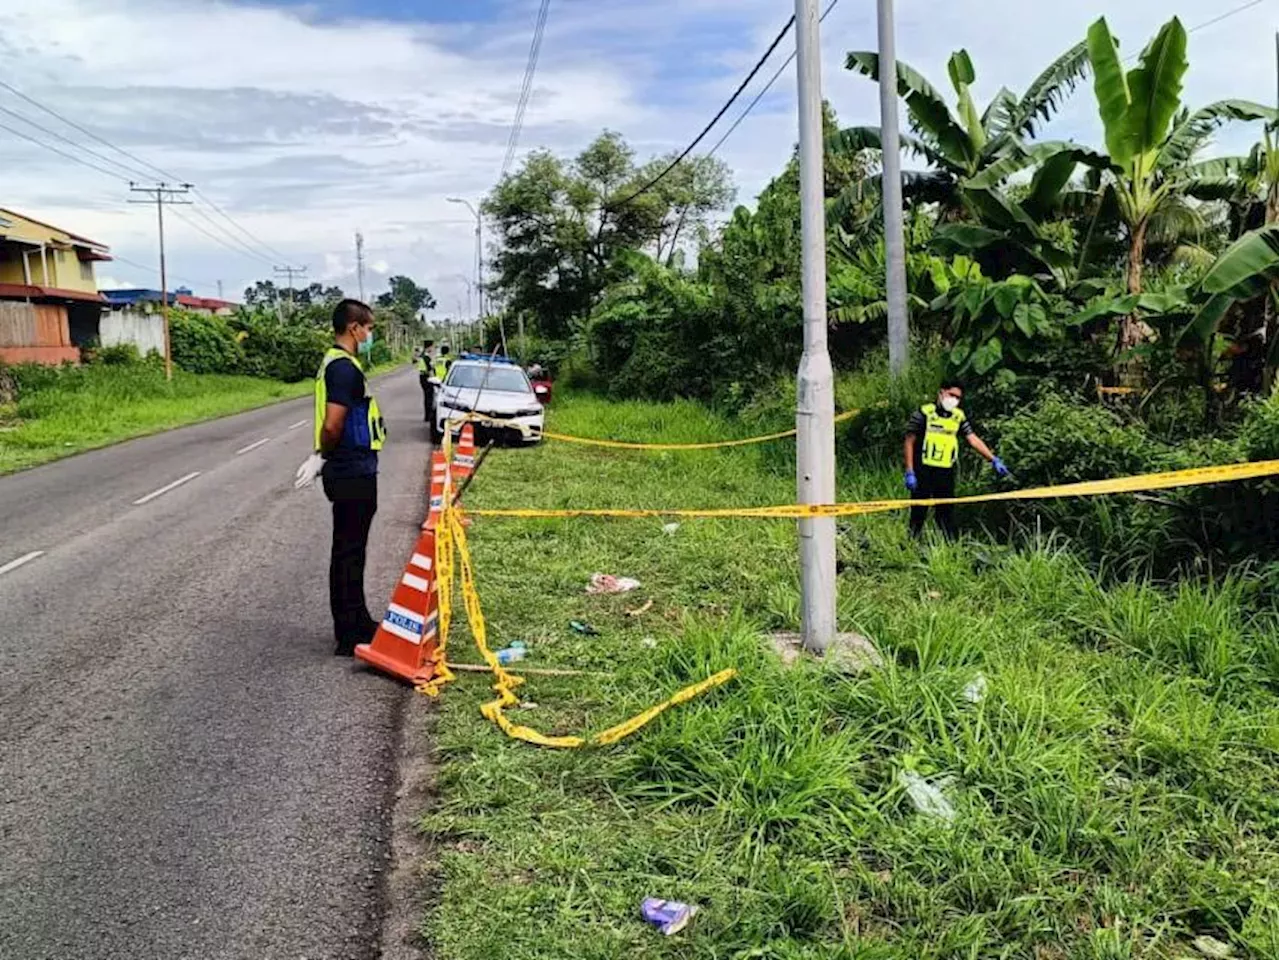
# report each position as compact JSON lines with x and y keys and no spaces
{"x":349,"y":432}
{"x":931,"y":447}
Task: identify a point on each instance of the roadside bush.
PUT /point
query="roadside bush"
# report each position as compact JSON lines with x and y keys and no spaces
{"x":203,"y":344}
{"x":288,"y":352}
{"x":117,"y":355}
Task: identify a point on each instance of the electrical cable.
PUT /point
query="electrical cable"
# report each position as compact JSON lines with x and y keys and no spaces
{"x":707,"y":129}
{"x":526,"y":86}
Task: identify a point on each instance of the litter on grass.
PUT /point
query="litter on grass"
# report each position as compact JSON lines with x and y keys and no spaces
{"x":608,"y":583}
{"x":642,"y":609}
{"x":975,"y":689}
{"x":928,"y":797}
{"x":586,"y":629}
{"x":670,"y":529}
{"x":669,"y":916}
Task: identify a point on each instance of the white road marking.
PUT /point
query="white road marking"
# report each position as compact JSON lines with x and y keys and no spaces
{"x":295,"y":426}
{"x":253,"y":446}
{"x":25,"y":558}
{"x":166,"y":488}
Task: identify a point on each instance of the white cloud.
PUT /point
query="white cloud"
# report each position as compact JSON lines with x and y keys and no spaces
{"x":308,"y":130}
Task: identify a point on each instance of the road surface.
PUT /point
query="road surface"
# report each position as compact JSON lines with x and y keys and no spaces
{"x":186,"y":770}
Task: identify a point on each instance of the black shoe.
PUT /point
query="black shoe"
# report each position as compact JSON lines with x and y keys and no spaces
{"x":345,"y":650}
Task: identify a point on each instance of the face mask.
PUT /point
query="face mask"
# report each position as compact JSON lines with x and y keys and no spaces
{"x":366,"y":345}
{"x":949,"y":403}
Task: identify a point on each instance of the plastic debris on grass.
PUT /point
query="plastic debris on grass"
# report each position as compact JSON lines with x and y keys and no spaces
{"x":669,"y":916}
{"x":927,"y":797}
{"x":608,"y":583}
{"x":976,"y":689}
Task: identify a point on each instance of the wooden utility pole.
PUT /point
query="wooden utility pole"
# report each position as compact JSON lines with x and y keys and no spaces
{"x":288,"y":271}
{"x":161,"y":194}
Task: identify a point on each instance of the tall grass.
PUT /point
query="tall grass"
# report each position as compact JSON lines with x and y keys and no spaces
{"x":1115,"y":788}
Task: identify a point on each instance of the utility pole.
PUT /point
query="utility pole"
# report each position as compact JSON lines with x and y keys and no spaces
{"x":479,"y":254}
{"x":288,"y":271}
{"x":360,"y":263}
{"x":895,"y":255}
{"x":161,"y":194}
{"x":219,"y":289}
{"x":815,"y":395}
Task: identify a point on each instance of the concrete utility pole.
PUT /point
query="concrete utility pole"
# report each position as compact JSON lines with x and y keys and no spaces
{"x":219,"y":289}
{"x":360,"y":263}
{"x":895,"y":255}
{"x":161,"y":194}
{"x":815,"y":396}
{"x":288,"y":271}
{"x":479,"y":252}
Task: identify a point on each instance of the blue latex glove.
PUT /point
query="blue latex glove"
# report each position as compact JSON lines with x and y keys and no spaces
{"x":998,"y":466}
{"x":910,"y":480}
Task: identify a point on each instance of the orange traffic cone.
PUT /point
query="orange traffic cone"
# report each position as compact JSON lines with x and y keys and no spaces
{"x":464,"y":455}
{"x":439,"y":470}
{"x":407,"y":637}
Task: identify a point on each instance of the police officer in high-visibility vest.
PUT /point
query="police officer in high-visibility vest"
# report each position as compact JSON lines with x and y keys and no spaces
{"x":440,"y":366}
{"x":931,"y":447}
{"x":423,"y":362}
{"x":348,"y":434}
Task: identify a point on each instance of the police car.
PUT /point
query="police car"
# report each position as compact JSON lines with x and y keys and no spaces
{"x":496,"y":391}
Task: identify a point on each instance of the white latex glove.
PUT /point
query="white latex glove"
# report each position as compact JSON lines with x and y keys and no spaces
{"x":307,"y":473}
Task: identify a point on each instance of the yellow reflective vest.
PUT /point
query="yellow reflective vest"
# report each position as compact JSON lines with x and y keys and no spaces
{"x":364,"y":428}
{"x":441,"y":367}
{"x":940,"y":446}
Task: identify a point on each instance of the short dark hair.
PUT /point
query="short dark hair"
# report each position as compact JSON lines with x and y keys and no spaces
{"x":444,"y":348}
{"x":348,"y":312}
{"x":428,"y":343}
{"x":951,"y":383}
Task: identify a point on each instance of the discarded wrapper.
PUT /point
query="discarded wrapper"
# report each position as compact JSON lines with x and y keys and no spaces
{"x":608,"y":583}
{"x":669,"y":916}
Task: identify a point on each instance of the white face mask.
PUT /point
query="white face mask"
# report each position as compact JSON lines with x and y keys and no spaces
{"x":949,"y":403}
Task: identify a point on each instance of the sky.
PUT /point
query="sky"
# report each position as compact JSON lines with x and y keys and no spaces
{"x":309,"y":120}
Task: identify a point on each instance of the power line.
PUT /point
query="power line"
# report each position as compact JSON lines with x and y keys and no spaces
{"x":714,"y":120}
{"x":226,"y":216}
{"x":87,"y":132}
{"x":115,"y":257}
{"x":62,"y":153}
{"x":1223,"y":16}
{"x":772,"y":80}
{"x":223,"y":231}
{"x":217,"y":239}
{"x":129,"y":171}
{"x":526,"y":86}
{"x":133,"y":171}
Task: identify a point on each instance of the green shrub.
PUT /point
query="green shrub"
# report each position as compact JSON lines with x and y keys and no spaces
{"x":288,"y":352}
{"x":118,"y":355}
{"x":204,"y":344}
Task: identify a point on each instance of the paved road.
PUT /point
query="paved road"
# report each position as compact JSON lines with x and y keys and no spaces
{"x":185,"y":769}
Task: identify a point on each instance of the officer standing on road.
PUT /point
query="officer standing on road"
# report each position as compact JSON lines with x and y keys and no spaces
{"x":348,"y":435}
{"x":931,"y":447}
{"x":440,"y":367}
{"x":423,"y":364}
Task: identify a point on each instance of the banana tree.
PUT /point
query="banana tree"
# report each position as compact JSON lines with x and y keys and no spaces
{"x":957,"y":145}
{"x":1150,"y":141}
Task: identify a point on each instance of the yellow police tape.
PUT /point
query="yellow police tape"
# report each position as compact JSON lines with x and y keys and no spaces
{"x":625,"y":445}
{"x":1087,"y":488}
{"x":451,"y":546}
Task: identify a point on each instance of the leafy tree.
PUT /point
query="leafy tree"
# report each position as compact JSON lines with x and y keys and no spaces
{"x":963,"y":145}
{"x":1151,"y":142}
{"x":263,"y":292}
{"x":406,"y":296}
{"x":564,"y":227}
{"x":685,"y":197}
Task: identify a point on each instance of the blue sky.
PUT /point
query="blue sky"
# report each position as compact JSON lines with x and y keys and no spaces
{"x":308,"y":121}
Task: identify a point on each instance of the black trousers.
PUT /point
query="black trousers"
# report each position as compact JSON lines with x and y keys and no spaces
{"x":428,"y":395}
{"x":934,"y":482}
{"x":355,"y":501}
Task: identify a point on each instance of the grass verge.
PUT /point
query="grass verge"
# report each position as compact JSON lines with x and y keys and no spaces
{"x":1115,"y":787}
{"x":62,"y":411}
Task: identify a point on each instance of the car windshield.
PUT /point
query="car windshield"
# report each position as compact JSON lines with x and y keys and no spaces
{"x":500,"y":378}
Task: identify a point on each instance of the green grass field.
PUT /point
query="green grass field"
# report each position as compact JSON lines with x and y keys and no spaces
{"x":69,"y":411}
{"x":1115,"y":788}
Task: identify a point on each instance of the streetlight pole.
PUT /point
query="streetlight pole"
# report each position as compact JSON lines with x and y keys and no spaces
{"x":895,"y":256}
{"x":479,"y":256}
{"x":815,"y":395}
